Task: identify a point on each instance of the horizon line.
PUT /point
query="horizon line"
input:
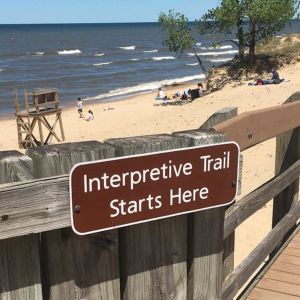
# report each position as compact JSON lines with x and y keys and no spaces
{"x":81,"y":23}
{"x":101,"y":23}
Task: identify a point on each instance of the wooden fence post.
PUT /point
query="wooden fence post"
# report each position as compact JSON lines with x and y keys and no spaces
{"x":205,"y":238}
{"x":219,"y":117}
{"x":287,"y":153}
{"x":76,"y":267}
{"x":19,"y":257}
{"x":152,"y":254}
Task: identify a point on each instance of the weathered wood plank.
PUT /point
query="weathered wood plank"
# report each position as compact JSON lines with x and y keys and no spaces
{"x":243,"y":272}
{"x":61,"y":158}
{"x":205,"y":255}
{"x":295,"y":244}
{"x":219,"y":116}
{"x":266,"y":267}
{"x":280,"y":287}
{"x":76,"y":267}
{"x":249,"y":204}
{"x":285,"y":267}
{"x":283,"y":276}
{"x":289,"y":260}
{"x":20,"y":276}
{"x":251,"y":128}
{"x":297,"y":237}
{"x":205,"y":237}
{"x":153,"y":254}
{"x":14,"y":167}
{"x":287,"y":152}
{"x":292,"y":251}
{"x":261,"y":294}
{"x":34,"y":206}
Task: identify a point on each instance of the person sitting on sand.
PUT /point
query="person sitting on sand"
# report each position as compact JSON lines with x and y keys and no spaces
{"x":275,"y":75}
{"x":200,"y":89}
{"x":90,"y":116}
{"x":176,"y":95}
{"x":160,"y":95}
{"x":80,"y":107}
{"x":186,"y":95}
{"x":275,"y":79}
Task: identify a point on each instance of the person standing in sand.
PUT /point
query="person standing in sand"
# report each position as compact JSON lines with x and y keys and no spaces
{"x":80,"y":107}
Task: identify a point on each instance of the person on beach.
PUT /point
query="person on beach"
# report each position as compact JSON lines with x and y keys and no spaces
{"x":160,"y":95}
{"x":80,"y":107}
{"x":200,"y":89}
{"x":275,"y":75}
{"x":275,"y":79}
{"x":186,"y":95}
{"x":90,"y":116}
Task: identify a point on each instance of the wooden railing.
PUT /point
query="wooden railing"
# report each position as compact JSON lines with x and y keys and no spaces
{"x":251,"y":128}
{"x":247,"y":130}
{"x":174,"y":258}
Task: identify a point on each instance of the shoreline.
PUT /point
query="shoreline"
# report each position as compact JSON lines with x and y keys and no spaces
{"x":92,"y":101}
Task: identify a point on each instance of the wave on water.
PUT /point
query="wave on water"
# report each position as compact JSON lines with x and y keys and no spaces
{"x":214,"y":53}
{"x":135,"y":59}
{"x":163,"y":58}
{"x":192,"y":65}
{"x":39,"y":53}
{"x":220,"y":60}
{"x":69,"y":52}
{"x":128,"y":48}
{"x":150,"y":51}
{"x":218,"y":53}
{"x":103,"y":64}
{"x":214,"y":48}
{"x":145,"y":87}
{"x":99,"y":54}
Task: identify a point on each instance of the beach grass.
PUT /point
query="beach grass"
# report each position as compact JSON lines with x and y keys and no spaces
{"x":276,"y":52}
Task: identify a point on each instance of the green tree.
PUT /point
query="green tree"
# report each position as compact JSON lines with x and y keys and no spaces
{"x":251,"y":20}
{"x":179,"y":35}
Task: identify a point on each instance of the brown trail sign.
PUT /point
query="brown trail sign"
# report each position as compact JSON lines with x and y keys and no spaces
{"x":129,"y":190}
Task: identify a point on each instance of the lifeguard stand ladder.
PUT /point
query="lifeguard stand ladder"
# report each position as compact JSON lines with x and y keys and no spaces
{"x":39,"y":105}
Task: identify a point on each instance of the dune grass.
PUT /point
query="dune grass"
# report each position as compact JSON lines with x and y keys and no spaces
{"x":275,"y":52}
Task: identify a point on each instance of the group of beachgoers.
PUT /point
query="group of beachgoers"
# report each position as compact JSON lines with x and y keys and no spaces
{"x":274,"y":79}
{"x":190,"y":94}
{"x":90,"y":116}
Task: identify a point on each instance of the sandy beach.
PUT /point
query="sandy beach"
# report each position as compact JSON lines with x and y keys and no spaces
{"x":139,"y":115}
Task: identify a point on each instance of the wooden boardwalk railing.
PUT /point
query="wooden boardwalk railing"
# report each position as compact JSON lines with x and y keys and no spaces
{"x":251,"y":128}
{"x":185,"y":257}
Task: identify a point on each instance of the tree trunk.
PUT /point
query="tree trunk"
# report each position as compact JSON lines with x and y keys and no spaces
{"x":240,"y":36}
{"x":252,"y":42}
{"x":199,"y":61}
{"x":204,"y":71}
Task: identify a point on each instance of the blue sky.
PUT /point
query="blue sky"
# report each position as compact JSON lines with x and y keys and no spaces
{"x":96,"y":11}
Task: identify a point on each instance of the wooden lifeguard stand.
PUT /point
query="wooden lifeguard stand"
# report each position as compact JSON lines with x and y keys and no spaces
{"x":39,"y":106}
